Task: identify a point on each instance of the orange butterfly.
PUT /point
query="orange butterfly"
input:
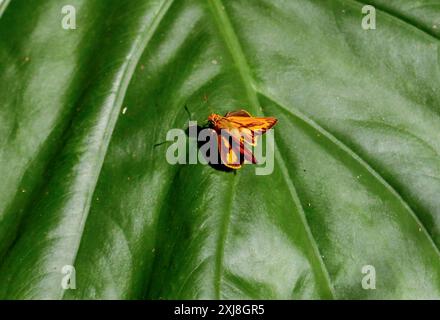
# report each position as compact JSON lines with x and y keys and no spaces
{"x":236,"y":132}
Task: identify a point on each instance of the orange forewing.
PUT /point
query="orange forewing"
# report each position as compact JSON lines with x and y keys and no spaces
{"x":237,"y":132}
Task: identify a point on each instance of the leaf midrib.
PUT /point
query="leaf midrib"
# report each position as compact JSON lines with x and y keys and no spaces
{"x":240,"y":60}
{"x":3,"y":5}
{"x":226,"y":221}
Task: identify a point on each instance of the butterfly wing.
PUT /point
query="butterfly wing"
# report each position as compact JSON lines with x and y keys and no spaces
{"x":240,"y":130}
{"x":258,"y":125}
{"x":233,"y":151}
{"x":251,"y":127}
{"x":230,"y":157}
{"x":241,"y":113}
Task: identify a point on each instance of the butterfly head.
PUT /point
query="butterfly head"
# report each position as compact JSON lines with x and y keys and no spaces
{"x":213,"y":118}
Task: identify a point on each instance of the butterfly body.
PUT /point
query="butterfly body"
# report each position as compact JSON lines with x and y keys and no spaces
{"x":237,"y":132}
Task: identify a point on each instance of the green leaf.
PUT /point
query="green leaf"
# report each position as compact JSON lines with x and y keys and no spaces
{"x":357,"y":168}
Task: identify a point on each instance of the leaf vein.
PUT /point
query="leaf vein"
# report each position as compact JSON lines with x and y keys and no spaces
{"x":313,"y":124}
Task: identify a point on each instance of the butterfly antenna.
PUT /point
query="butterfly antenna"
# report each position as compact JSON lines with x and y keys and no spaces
{"x":160,"y":143}
{"x":187,"y":111}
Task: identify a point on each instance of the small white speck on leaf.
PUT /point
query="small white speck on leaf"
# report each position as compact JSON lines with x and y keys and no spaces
{"x":124,"y":110}
{"x":214,"y":61}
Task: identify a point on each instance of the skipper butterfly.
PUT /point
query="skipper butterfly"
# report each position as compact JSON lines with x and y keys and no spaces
{"x":237,"y":132}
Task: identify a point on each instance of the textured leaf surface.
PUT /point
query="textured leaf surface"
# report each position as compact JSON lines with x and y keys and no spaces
{"x":357,"y":165}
